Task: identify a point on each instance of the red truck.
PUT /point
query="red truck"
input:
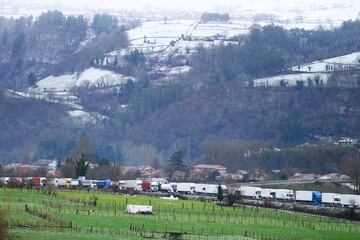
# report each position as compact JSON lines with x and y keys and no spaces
{"x":39,"y":181}
{"x":145,"y":186}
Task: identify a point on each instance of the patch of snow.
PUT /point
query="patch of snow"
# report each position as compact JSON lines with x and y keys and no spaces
{"x":59,"y":83}
{"x":225,"y":29}
{"x":291,"y":79}
{"x":90,"y":77}
{"x":330,"y":64}
{"x":101,"y":78}
{"x":78,"y":113}
{"x":320,"y":70}
{"x":158,"y":32}
{"x":82,"y":117}
{"x":64,"y":98}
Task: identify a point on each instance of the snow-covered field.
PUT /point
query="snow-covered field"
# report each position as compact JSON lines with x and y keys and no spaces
{"x":309,"y":10}
{"x":330,"y":63}
{"x":319,"y":71}
{"x":292,"y":79}
{"x":162,"y":39}
{"x":81,"y":117}
{"x":225,"y":29}
{"x":91,"y":77}
{"x":158,"y":32}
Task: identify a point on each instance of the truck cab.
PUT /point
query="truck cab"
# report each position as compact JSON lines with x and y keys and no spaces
{"x":316,"y":197}
{"x":290,"y":196}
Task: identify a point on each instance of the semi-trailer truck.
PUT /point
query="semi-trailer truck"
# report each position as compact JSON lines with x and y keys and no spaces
{"x":313,"y":197}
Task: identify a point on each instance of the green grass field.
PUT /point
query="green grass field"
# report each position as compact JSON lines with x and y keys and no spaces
{"x":71,"y":215}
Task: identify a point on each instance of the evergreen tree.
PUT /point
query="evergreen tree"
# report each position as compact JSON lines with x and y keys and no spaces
{"x":81,"y":166}
{"x":220,"y":194}
{"x":58,"y":164}
{"x":129,"y":86}
{"x":19,"y":43}
{"x":176,"y":162}
{"x":32,"y":79}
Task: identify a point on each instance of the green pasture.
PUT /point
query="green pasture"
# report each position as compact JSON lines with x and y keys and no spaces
{"x":73,"y":215}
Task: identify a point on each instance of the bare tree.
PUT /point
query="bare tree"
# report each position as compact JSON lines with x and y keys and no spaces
{"x":68,"y":168}
{"x":84,"y":147}
{"x":352,"y":167}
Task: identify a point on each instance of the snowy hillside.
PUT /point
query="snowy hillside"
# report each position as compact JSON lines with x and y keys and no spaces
{"x":320,"y":11}
{"x":292,"y":79}
{"x":330,"y":64}
{"x":310,"y":73}
{"x":91,"y":77}
{"x":58,"y":89}
{"x":156,"y":35}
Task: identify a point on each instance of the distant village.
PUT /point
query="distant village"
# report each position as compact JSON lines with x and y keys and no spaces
{"x":198,"y":173}
{"x":50,"y":168}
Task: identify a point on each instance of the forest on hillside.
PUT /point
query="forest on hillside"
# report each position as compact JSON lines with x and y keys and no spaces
{"x":33,"y":48}
{"x":214,"y":102}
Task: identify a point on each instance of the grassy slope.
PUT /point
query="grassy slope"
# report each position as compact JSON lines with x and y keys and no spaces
{"x":186,"y":216}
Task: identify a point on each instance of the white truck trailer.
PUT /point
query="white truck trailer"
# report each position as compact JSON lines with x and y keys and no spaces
{"x":284,"y":194}
{"x":313,"y":197}
{"x":213,"y":189}
{"x":330,"y":198}
{"x":167,"y":187}
{"x":186,"y":188}
{"x":349,"y":200}
{"x":86,"y":183}
{"x":199,"y":188}
{"x":74,"y":183}
{"x":5,"y":180}
{"x":133,"y":184}
{"x":64,"y":182}
{"x":154,"y":186}
{"x":267,"y":193}
{"x":252,"y":192}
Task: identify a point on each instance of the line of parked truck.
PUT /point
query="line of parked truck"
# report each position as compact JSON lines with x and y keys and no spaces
{"x":309,"y":197}
{"x":150,"y":185}
{"x":162,"y":185}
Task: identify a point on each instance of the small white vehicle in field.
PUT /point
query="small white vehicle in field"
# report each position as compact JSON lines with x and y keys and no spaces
{"x":139,"y":209}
